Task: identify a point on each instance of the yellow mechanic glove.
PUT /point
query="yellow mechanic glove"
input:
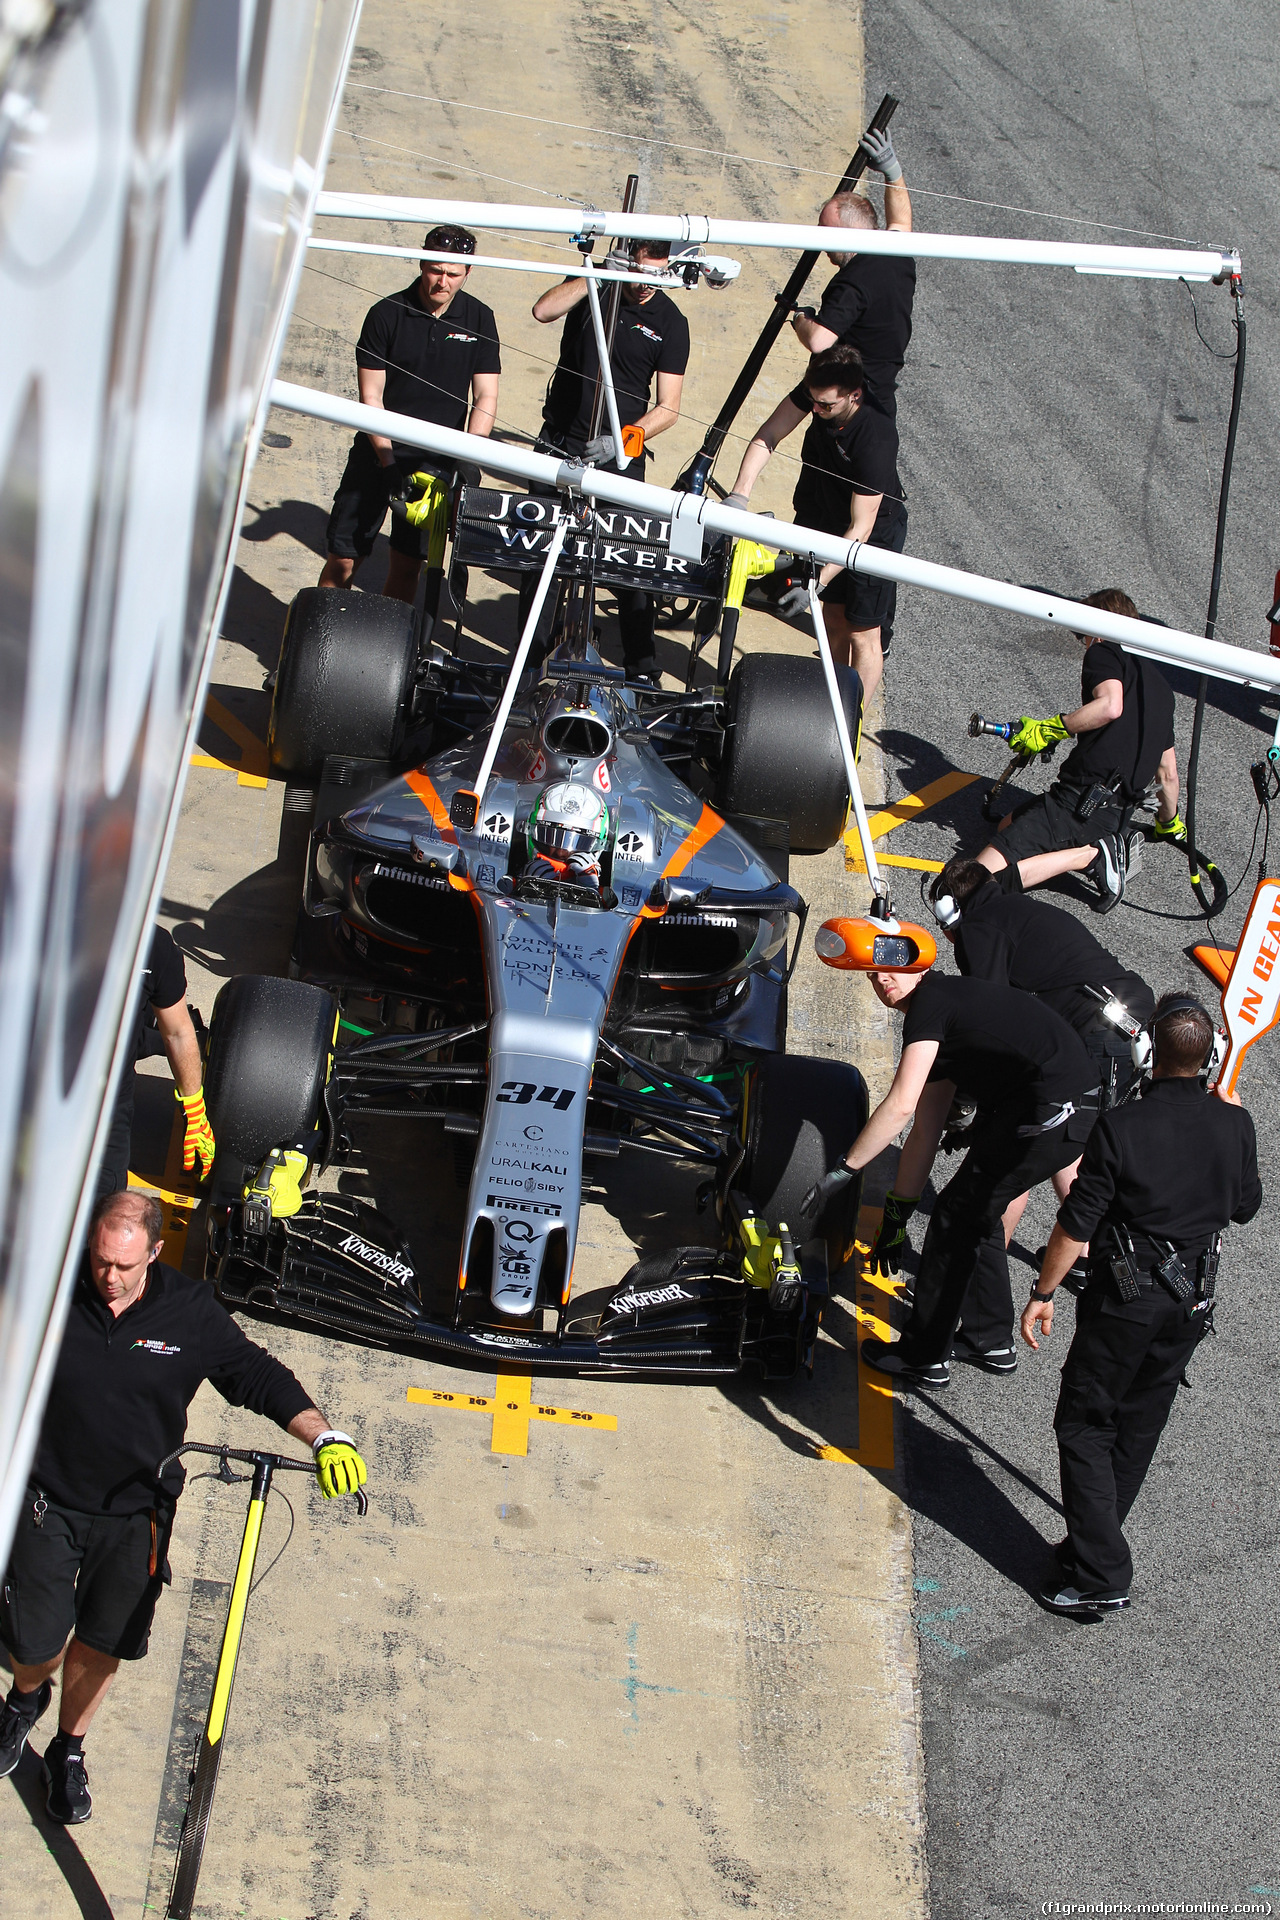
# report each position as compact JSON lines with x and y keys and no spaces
{"x":339,"y":1468}
{"x":199,"y":1135}
{"x":1175,"y":830}
{"x":1033,"y":736}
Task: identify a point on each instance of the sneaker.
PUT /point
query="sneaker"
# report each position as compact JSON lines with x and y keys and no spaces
{"x":1081,"y":1606}
{"x":68,"y":1804}
{"x":1107,"y":871}
{"x":887,"y":1359}
{"x":994,"y":1360}
{"x":1133,"y":846}
{"x":1075,"y":1279}
{"x":15,"y":1728}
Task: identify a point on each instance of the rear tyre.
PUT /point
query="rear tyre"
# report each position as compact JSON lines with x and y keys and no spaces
{"x":344,"y":679}
{"x":803,"y":1114}
{"x":270,"y":1044}
{"x":782,"y":754}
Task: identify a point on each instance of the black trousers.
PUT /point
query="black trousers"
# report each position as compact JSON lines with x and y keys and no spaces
{"x":113,"y":1170}
{"x":964,"y":1246}
{"x":1118,"y":1387}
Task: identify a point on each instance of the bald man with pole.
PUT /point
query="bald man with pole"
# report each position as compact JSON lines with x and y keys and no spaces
{"x":868,"y":304}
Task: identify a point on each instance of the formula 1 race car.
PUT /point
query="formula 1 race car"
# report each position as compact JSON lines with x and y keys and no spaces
{"x":566,"y":963}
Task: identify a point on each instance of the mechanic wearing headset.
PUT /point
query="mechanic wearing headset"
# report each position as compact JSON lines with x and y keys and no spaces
{"x":1029,"y":1076}
{"x":868,"y":304}
{"x":427,"y":351}
{"x":164,"y":1024}
{"x":650,"y":348}
{"x":1158,"y":1182}
{"x":999,"y":934}
{"x":89,"y":1550}
{"x":848,"y":487}
{"x":1123,"y":729}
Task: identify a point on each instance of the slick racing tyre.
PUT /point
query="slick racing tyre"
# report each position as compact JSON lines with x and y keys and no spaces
{"x":802,"y":1115}
{"x":344,"y":679}
{"x":782,"y":752}
{"x":270,"y":1045}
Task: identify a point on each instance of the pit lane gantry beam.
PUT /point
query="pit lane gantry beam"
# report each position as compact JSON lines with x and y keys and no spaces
{"x":698,"y":230}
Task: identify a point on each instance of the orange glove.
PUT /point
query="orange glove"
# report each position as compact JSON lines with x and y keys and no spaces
{"x":199,"y":1135}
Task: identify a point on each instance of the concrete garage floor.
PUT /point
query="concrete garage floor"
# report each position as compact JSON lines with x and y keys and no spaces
{"x":662,"y":1664}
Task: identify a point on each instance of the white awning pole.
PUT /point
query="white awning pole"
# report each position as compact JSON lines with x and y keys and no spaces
{"x":518,"y":663}
{"x":1242,"y":665}
{"x":673,"y":280}
{"x":1159,"y":263}
{"x":621,"y":460}
{"x":878,"y":885}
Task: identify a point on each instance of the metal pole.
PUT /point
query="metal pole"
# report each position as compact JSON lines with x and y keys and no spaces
{"x":1144,"y":263}
{"x":475,"y":798}
{"x":695,"y":476}
{"x":604,"y":378}
{"x":1239,"y":664}
{"x":878,"y":884}
{"x":629,"y":194}
{"x":1215,"y":588}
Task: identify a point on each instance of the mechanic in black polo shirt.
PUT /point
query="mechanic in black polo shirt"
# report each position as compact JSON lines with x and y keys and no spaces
{"x":88,"y":1556}
{"x":1123,"y":730}
{"x":648,"y":358}
{"x":1158,"y":1183}
{"x":848,"y":486}
{"x":1029,"y":1076}
{"x":163,"y":1025}
{"x":427,"y":351}
{"x":868,"y":304}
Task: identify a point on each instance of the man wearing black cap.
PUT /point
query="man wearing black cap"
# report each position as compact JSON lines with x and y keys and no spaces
{"x":1159,"y":1181}
{"x":648,"y":357}
{"x":428,"y":351}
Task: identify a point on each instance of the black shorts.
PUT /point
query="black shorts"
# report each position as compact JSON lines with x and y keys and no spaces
{"x":88,"y":1571}
{"x":1048,"y":824}
{"x":360,"y":504}
{"x":868,"y":602}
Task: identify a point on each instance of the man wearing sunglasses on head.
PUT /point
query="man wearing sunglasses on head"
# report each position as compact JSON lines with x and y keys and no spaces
{"x":848,"y":487}
{"x":431,"y":351}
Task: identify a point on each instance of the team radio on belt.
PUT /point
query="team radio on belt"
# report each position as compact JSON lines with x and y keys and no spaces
{"x":550,"y":912}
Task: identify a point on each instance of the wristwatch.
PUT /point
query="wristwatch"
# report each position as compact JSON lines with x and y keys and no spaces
{"x":1045,"y":1299}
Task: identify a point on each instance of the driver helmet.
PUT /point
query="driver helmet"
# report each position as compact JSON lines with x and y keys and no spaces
{"x":569,"y":823}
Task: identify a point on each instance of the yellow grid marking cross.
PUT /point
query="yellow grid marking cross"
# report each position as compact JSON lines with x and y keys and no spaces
{"x":908,"y":808}
{"x":252,"y":768}
{"x":512,"y":1407}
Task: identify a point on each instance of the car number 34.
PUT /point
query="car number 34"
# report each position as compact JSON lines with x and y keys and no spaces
{"x":520,"y":1093}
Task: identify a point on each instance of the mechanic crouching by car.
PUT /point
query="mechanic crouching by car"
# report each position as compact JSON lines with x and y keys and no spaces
{"x":1158,"y":1183}
{"x":164,"y":1025}
{"x":1123,"y":730}
{"x":88,"y":1557}
{"x":999,"y":934}
{"x":429,"y":351}
{"x":1029,"y":1077}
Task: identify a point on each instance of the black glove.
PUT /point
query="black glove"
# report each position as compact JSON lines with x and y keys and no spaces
{"x":891,"y":1241}
{"x":824,"y":1191}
